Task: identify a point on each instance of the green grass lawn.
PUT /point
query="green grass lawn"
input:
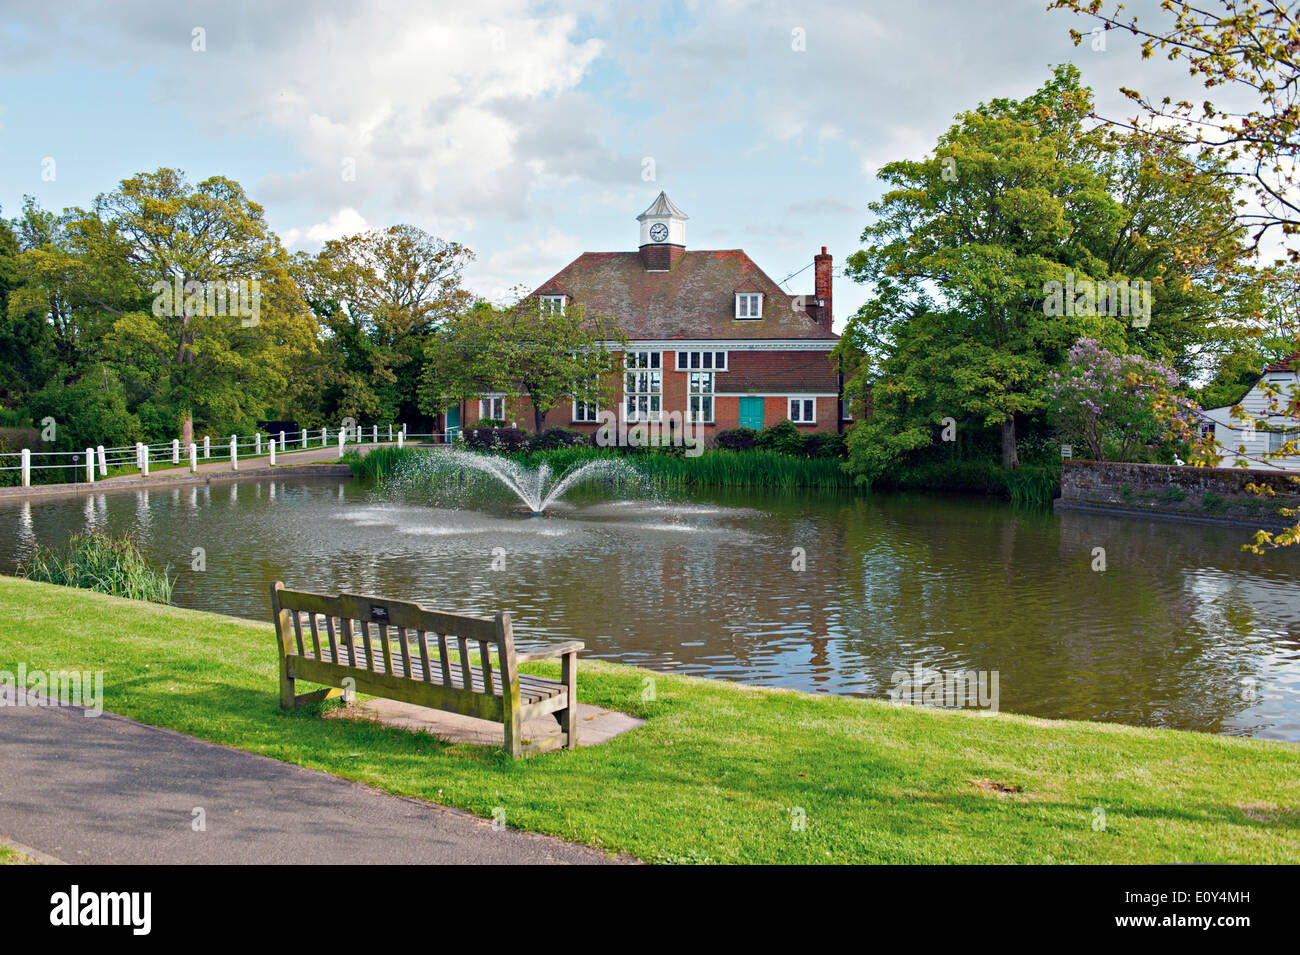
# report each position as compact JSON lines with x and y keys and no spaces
{"x":721,"y":772}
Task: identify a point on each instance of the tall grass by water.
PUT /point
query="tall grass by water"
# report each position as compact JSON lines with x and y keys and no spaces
{"x":100,"y":562}
{"x":715,"y":468}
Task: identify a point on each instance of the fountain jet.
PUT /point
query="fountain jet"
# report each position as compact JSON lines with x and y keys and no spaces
{"x":536,"y":487}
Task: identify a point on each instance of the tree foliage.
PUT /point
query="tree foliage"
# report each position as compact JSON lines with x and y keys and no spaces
{"x":525,"y":350}
{"x":1234,"y":48}
{"x":380,"y":296}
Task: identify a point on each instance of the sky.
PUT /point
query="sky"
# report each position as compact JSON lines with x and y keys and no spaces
{"x":529,"y":132}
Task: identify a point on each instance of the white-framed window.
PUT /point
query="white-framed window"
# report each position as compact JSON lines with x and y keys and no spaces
{"x":643,"y":385}
{"x":700,"y":388}
{"x":1278,"y":438}
{"x":553,"y":303}
{"x":749,"y":305}
{"x":803,"y":410}
{"x":701,"y":361}
{"x":585,"y":410}
{"x":492,"y":407}
{"x":846,"y":409}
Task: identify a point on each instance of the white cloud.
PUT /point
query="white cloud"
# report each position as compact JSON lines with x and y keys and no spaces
{"x":345,"y":222}
{"x":528,"y":263}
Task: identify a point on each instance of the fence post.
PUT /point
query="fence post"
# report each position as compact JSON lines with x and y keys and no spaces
{"x":324,"y":436}
{"x":90,"y":465}
{"x":273,"y":452}
{"x":282,"y":442}
{"x":304,"y":438}
{"x":343,"y":435}
{"x":176,"y":450}
{"x":400,"y":436}
{"x":26,"y":457}
{"x":103,"y":461}
{"x":374,"y":434}
{"x":390,"y":432}
{"x":234,"y":452}
{"x":257,"y":445}
{"x":194,"y":457}
{"x":207,"y":448}
{"x":144,"y":459}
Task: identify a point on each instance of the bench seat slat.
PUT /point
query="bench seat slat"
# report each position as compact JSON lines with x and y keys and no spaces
{"x":424,"y":654}
{"x":444,"y":658}
{"x":365,"y":639}
{"x":297,"y":629}
{"x":406,"y":650}
{"x":329,"y":630}
{"x":315,"y":632}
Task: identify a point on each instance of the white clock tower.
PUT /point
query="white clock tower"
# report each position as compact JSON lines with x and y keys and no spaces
{"x":663,"y":234}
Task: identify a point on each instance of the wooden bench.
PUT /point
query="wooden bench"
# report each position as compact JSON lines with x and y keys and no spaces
{"x":407,"y":653}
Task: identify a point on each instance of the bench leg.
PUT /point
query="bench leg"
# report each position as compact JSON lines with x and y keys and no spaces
{"x":569,"y":721}
{"x":287,"y":699}
{"x":514,"y":735}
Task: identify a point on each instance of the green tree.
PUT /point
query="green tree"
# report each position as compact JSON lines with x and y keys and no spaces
{"x":90,"y":412}
{"x":1011,"y":200}
{"x":65,"y":298}
{"x":379,"y":296}
{"x":527,"y":350}
{"x":195,"y":249}
{"x":1024,"y":204}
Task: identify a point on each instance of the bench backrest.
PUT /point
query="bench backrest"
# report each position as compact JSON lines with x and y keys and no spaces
{"x":435,"y":647}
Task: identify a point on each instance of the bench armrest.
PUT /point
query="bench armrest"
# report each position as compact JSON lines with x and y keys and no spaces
{"x":554,"y":650}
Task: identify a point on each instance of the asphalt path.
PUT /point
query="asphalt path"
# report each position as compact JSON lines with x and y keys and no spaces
{"x":107,"y":789}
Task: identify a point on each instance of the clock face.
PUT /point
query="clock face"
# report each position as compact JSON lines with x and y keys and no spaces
{"x":658,"y":232}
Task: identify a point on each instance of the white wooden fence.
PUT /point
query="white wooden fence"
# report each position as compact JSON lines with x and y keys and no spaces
{"x":87,"y":466}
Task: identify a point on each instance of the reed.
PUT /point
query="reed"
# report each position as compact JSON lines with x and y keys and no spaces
{"x":100,"y":562}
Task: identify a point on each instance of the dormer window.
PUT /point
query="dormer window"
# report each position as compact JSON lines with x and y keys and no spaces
{"x":553,"y":304}
{"x":749,"y":306}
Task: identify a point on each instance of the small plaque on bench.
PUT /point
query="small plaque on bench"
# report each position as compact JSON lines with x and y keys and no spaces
{"x":379,"y":613}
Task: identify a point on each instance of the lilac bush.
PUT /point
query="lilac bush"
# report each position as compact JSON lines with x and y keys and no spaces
{"x":1126,"y":400}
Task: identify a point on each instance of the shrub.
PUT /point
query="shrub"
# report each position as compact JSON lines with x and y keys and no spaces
{"x":1172,"y":495}
{"x":1213,"y":503}
{"x":96,"y":561}
{"x":782,"y":437}
{"x":823,"y":444}
{"x":736,"y":439}
{"x":496,"y":439}
{"x":1117,"y":403}
{"x":89,"y":413}
{"x":553,"y":438}
{"x":490,"y":423}
{"x":159,"y":422}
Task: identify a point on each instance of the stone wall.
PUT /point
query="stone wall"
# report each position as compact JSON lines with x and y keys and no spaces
{"x":1218,"y":494}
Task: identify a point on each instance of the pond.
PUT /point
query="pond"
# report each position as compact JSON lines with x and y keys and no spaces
{"x":818,"y":591}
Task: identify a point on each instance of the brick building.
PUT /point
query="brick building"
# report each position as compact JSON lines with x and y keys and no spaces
{"x":710,"y":336}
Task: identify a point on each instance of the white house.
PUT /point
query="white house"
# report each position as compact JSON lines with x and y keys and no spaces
{"x":1233,"y":433}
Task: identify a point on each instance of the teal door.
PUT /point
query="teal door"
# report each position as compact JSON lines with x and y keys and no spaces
{"x":751,"y":413}
{"x":453,"y":420}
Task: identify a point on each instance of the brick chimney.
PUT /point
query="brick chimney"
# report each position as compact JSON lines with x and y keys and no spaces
{"x":822,"y":289}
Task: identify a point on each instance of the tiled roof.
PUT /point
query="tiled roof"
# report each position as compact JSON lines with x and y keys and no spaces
{"x":1286,"y":364}
{"x":695,"y":300}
